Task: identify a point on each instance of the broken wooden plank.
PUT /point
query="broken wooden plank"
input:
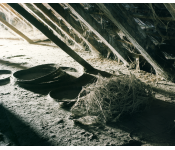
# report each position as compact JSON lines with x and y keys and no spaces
{"x":79,"y":27}
{"x":16,"y":14}
{"x":103,"y":35}
{"x":15,"y":30}
{"x":59,"y":23}
{"x":125,"y":22}
{"x":49,"y":33}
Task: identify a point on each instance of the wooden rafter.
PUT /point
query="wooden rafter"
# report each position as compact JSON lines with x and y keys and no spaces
{"x":149,"y":17}
{"x":49,"y":33}
{"x":50,"y":14}
{"x":171,"y":8}
{"x":15,"y":30}
{"x":65,"y":24}
{"x":45,"y":20}
{"x":77,"y":25}
{"x":116,"y":47}
{"x":125,"y":22}
{"x":15,"y":13}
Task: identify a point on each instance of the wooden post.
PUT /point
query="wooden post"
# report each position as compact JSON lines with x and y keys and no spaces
{"x":49,"y":33}
{"x":116,"y":47}
{"x":79,"y":27}
{"x":126,"y":23}
{"x":15,"y":30}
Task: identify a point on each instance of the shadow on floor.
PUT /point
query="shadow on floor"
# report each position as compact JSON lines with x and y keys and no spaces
{"x":17,"y":65}
{"x":17,"y":132}
{"x":155,"y":125}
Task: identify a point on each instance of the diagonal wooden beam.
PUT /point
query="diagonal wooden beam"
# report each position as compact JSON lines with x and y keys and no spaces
{"x":126,"y":23}
{"x":6,"y":11}
{"x":45,"y":20}
{"x":150,"y":17}
{"x":80,"y":28}
{"x":171,"y":8}
{"x":58,"y":22}
{"x":116,"y":47}
{"x":49,"y":33}
{"x":15,"y":30}
{"x":15,"y":13}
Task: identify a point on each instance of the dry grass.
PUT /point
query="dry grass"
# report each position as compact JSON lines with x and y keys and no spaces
{"x":110,"y":98}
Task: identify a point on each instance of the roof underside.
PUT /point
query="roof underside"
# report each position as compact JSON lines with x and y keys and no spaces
{"x":126,"y":32}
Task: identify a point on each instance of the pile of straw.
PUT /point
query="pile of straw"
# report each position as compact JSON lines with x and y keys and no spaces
{"x":110,"y":98}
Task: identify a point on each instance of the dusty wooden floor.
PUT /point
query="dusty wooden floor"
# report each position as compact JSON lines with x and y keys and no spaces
{"x":31,"y":118}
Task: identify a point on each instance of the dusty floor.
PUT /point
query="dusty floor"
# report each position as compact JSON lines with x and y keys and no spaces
{"x":32,"y":118}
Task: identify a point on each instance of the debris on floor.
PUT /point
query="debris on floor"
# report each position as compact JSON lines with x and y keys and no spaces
{"x":111,"y":98}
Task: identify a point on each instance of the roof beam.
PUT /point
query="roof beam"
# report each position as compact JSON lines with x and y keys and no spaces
{"x":125,"y":22}
{"x":15,"y":30}
{"x":45,"y":20}
{"x":49,"y":33}
{"x":75,"y":23}
{"x":50,"y":14}
{"x":171,"y":8}
{"x":150,"y":17}
{"x":15,"y":13}
{"x":116,"y":47}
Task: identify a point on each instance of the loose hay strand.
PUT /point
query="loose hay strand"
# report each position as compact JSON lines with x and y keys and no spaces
{"x":111,"y":98}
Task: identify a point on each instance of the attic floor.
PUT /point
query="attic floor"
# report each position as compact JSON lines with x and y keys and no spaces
{"x":31,"y":118}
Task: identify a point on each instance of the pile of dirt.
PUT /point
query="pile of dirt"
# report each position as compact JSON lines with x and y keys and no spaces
{"x":111,"y":98}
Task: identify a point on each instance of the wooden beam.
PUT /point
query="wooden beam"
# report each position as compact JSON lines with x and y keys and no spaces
{"x":59,"y":23}
{"x":125,"y":22}
{"x":64,"y":24}
{"x":49,"y":33}
{"x":80,"y":28}
{"x":15,"y":30}
{"x":171,"y":8}
{"x":16,"y":14}
{"x":45,"y":20}
{"x":116,"y":47}
{"x":149,"y":17}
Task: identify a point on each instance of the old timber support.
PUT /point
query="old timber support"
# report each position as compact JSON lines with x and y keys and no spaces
{"x":171,"y":8}
{"x":126,"y":23}
{"x":116,"y":47}
{"x":16,"y":14}
{"x":81,"y":28}
{"x":49,"y":33}
{"x":59,"y":22}
{"x":15,"y":30}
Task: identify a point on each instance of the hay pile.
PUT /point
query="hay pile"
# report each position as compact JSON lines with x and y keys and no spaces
{"x":109,"y":98}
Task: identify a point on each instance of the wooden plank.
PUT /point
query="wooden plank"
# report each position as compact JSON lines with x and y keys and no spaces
{"x":149,"y":17}
{"x":125,"y":22}
{"x":45,"y":20}
{"x":116,"y":47}
{"x":49,"y":33}
{"x":15,"y":30}
{"x":64,"y":24}
{"x":171,"y":8}
{"x":60,"y":23}
{"x":16,"y":14}
{"x":77,"y":25}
